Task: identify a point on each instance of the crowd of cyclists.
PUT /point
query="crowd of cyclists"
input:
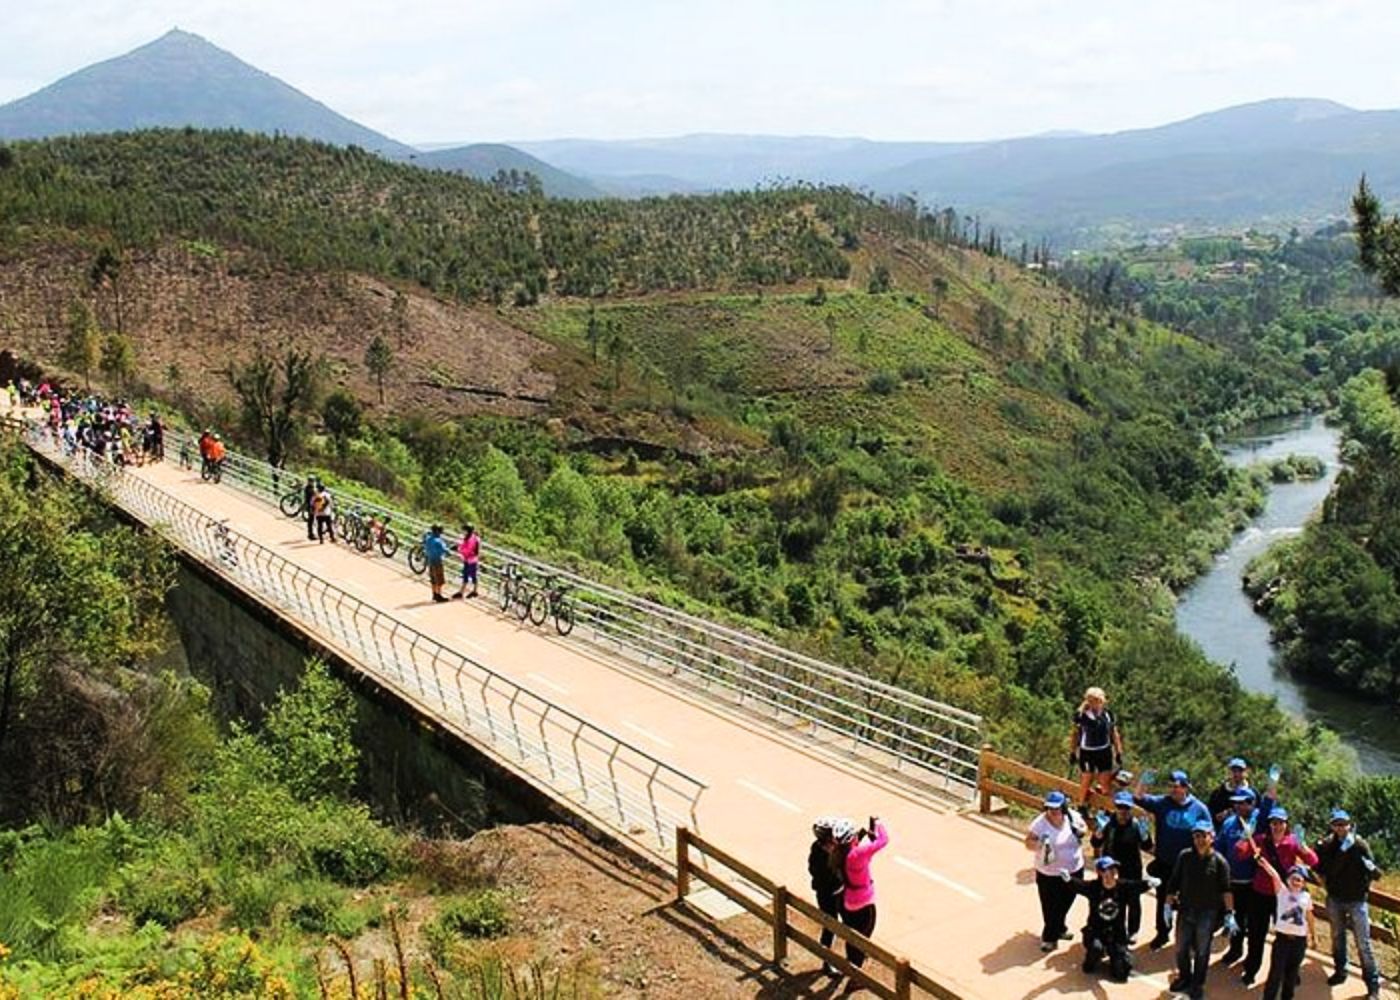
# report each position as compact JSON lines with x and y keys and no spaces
{"x":1230,"y":864}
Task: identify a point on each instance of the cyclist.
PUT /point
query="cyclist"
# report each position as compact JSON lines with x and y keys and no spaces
{"x":214,"y":453}
{"x":469,"y":548}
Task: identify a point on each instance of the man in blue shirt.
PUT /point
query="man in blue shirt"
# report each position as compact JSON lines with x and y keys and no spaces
{"x":1176,"y":814}
{"x":1240,"y":825}
{"x":435,"y":550}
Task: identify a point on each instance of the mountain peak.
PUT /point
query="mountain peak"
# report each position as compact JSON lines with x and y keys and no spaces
{"x":176,"y":80}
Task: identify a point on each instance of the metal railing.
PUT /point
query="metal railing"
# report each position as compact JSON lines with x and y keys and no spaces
{"x":929,"y":741}
{"x":617,"y":784}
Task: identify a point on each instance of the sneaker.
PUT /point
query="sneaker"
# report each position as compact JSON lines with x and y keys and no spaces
{"x":439,"y":598}
{"x":1231,"y":956}
{"x":1247,"y":980}
{"x":1157,"y":942}
{"x":1066,"y":936}
{"x":1048,"y":946}
{"x":1336,"y":979}
{"x":1132,"y":940}
{"x":1178,"y":985}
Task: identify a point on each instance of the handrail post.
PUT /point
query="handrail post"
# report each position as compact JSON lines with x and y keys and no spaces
{"x":780,"y":924}
{"x":984,"y":801}
{"x":682,"y":863}
{"x":903,"y":980}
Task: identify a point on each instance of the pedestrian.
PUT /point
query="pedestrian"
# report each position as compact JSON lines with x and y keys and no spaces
{"x":1282,"y":850}
{"x":1344,"y":861}
{"x":469,"y":548}
{"x":1056,"y":836}
{"x":1123,"y":839}
{"x":1095,"y":744}
{"x":1176,"y":815}
{"x":826,"y":879}
{"x":435,"y":550}
{"x":1106,"y":933}
{"x":324,"y":506}
{"x":1221,"y":799}
{"x":1239,"y":828}
{"x":1293,"y":929}
{"x":853,"y":854}
{"x":1199,"y":889}
{"x":308,"y":497}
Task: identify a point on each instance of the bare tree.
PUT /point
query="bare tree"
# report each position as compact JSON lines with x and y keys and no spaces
{"x":276,"y":394}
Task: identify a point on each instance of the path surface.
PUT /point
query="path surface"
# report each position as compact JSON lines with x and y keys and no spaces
{"x":956,"y":893}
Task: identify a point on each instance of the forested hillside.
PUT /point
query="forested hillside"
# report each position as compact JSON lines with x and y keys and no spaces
{"x":802,"y":409}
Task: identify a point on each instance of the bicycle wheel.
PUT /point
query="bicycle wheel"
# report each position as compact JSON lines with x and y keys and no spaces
{"x":417,"y":559}
{"x":291,"y":504}
{"x":539,"y":607}
{"x":524,"y":594}
{"x":388,"y":543}
{"x":364,"y":538}
{"x":206,"y":472}
{"x":564,"y":616}
{"x":218,"y":473}
{"x":340,"y":524}
{"x":507,"y":592}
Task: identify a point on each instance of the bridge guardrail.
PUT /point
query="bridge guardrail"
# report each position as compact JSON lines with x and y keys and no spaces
{"x":615,"y":782}
{"x":928,"y":740}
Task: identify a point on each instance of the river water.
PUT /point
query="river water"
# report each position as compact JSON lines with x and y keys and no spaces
{"x":1217,"y":613}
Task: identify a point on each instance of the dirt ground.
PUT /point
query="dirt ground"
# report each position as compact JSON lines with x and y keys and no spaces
{"x":584,"y":904}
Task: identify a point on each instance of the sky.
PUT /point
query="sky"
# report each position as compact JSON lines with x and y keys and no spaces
{"x":491,"y":70}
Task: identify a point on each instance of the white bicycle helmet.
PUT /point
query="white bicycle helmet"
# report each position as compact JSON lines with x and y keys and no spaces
{"x":843,"y":830}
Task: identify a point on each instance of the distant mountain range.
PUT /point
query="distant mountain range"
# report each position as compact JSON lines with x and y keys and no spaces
{"x":1273,"y":163}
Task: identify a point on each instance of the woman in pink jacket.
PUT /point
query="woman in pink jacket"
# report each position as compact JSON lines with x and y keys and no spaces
{"x":853,"y":854}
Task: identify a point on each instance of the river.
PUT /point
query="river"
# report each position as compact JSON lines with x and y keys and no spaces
{"x":1217,"y":613}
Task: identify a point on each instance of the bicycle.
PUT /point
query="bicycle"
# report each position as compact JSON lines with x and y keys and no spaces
{"x":212,"y":471}
{"x":516,"y":591}
{"x":225,"y":550}
{"x":418,"y":559}
{"x":553,"y":599}
{"x":376,"y":532}
{"x":293,"y":503}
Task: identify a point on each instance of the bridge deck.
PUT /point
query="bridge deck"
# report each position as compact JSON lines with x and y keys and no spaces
{"x":955,"y":890}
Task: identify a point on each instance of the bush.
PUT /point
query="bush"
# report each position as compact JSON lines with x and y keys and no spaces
{"x":168,"y":887}
{"x":253,"y":896}
{"x":479,"y":915}
{"x":883,"y":383}
{"x":346,"y":845}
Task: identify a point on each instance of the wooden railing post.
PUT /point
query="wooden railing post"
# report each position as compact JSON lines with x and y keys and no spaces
{"x":902,"y":979}
{"x":984,"y":801}
{"x":780,"y":924}
{"x":682,"y":863}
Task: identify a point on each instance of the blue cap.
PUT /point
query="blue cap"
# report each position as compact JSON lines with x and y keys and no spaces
{"x":1278,"y":812}
{"x":1340,"y":816}
{"x":1203,"y":826}
{"x":1055,"y":800}
{"x":1105,"y":862}
{"x":1299,"y":870}
{"x":1123,"y":799}
{"x":1238,"y":763}
{"x":1244,"y":795}
{"x":1180,"y":778}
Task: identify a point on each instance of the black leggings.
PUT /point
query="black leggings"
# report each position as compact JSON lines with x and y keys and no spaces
{"x":830,"y":904}
{"x":862,"y":920}
{"x":1056,"y":898}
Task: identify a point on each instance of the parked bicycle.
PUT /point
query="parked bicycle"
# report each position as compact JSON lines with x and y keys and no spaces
{"x":374,"y":532}
{"x":349,"y":521}
{"x":293,"y":502}
{"x":516,"y":591}
{"x":553,"y":599}
{"x":224,"y":546}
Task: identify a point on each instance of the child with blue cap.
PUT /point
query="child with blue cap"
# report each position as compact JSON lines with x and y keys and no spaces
{"x":1106,"y":933}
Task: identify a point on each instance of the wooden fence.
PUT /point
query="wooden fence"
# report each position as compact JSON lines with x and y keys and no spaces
{"x":1034,"y":783}
{"x":901,"y":979}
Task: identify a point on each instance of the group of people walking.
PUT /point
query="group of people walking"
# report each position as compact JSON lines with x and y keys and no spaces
{"x":1231,"y":863}
{"x":93,"y":427}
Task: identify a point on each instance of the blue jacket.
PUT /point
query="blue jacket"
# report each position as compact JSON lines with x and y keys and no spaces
{"x":1174,"y":821}
{"x":1232,"y":831}
{"x":434,"y":547}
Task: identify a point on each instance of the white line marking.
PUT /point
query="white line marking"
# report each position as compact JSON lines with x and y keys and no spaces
{"x":929,"y":873}
{"x":765,"y":793}
{"x":464,"y":640}
{"x":548,"y":683}
{"x":648,"y":734}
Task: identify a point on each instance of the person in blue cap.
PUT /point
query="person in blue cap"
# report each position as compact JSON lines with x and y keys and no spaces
{"x":1282,"y":850}
{"x":1199,"y":888}
{"x":1176,"y":814}
{"x":1239,"y":828}
{"x":1344,"y":861}
{"x":1121,"y":838}
{"x":1293,"y":929}
{"x":1056,"y":836}
{"x":1105,"y":933}
{"x":1220,"y":799}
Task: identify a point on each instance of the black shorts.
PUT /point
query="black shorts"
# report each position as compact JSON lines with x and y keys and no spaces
{"x":1096,"y":761}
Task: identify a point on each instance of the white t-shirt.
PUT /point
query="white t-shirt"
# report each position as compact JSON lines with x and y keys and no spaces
{"x":1291,"y":917}
{"x":1064,"y":852}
